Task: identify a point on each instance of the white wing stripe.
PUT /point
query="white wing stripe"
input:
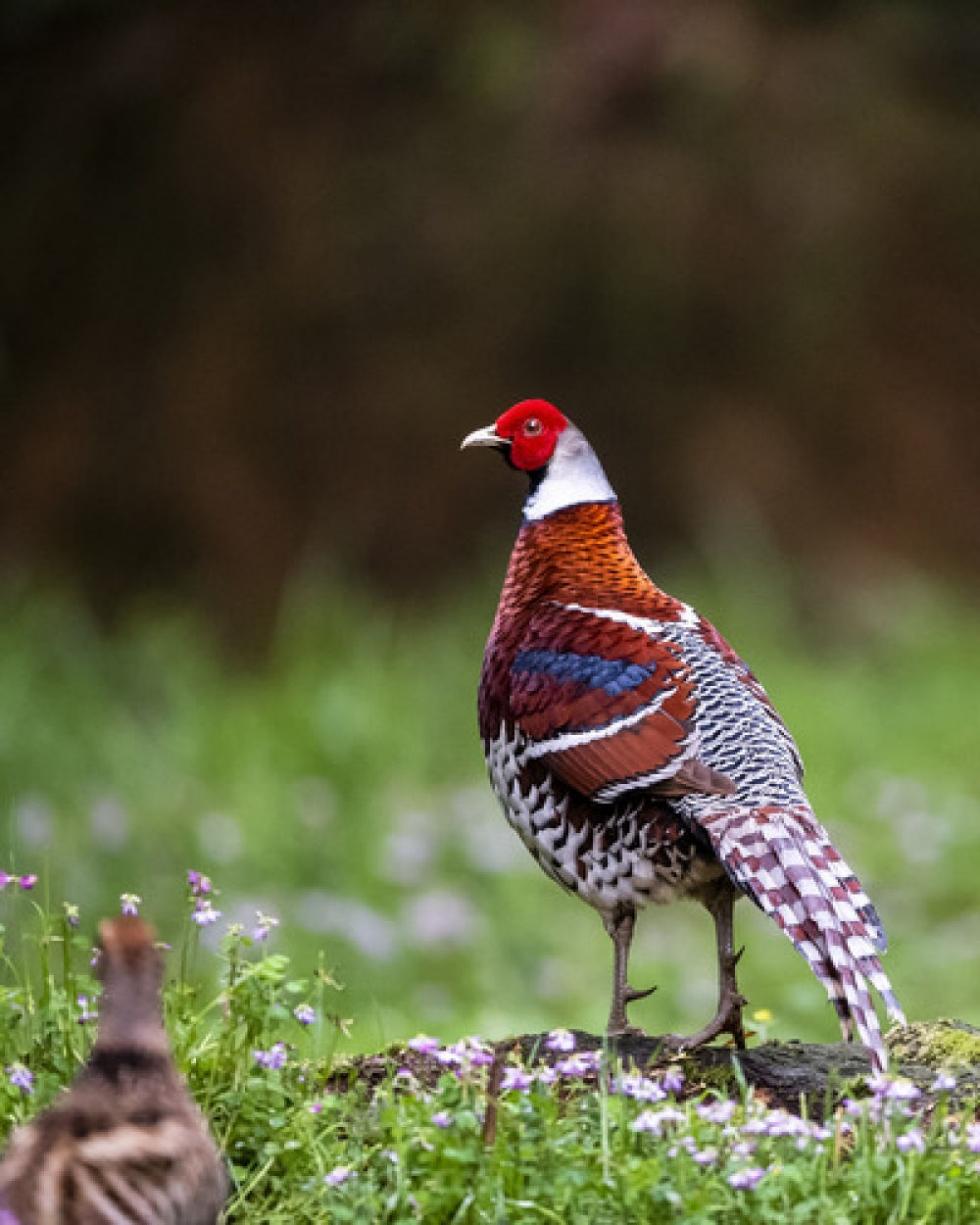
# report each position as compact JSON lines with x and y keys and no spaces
{"x":571,"y":740}
{"x":688,"y":617}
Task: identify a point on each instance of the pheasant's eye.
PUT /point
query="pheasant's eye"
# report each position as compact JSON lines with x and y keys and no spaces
{"x":532,"y":427}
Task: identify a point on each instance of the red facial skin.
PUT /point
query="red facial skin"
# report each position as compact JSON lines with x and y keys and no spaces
{"x":532,"y":426}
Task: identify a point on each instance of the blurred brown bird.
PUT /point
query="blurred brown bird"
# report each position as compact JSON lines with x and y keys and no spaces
{"x":126,"y":1143}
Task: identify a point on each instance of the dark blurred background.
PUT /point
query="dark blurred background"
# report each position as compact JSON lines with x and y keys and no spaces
{"x":263,"y":265}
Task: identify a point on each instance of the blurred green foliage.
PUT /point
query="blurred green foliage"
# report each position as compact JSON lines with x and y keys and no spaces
{"x":341,"y":788}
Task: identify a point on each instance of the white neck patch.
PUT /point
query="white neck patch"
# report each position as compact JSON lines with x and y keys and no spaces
{"x":574,"y":475}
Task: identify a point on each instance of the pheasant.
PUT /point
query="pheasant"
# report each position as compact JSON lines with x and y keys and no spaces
{"x":638,"y":757}
{"x":126,"y":1143}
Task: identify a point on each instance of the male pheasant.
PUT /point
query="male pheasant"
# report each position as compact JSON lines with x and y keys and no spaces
{"x":126,"y":1143}
{"x":638,"y":757}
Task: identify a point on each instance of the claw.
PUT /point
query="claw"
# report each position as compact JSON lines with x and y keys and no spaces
{"x":633,"y":994}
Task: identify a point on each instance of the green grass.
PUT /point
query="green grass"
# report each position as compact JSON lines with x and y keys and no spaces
{"x":589,"y":1145}
{"x":341,"y":788}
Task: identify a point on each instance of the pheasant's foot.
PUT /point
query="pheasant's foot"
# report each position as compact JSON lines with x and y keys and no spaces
{"x":728,"y":1020}
{"x":618,"y":1026}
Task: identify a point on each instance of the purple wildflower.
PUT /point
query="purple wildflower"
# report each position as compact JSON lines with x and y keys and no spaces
{"x":21,"y":1078}
{"x":912,"y":1141}
{"x":477,"y":1053}
{"x":943,"y":1083}
{"x":199,"y":884}
{"x":747,"y":1179}
{"x":744,"y":1148}
{"x":85,"y":1014}
{"x":782,"y":1123}
{"x":129,"y":903}
{"x":304,"y":1014}
{"x":649,"y":1091}
{"x":647,"y":1120}
{"x":640,"y":1088}
{"x":673,"y":1080}
{"x":973,"y":1137}
{"x":705,"y":1156}
{"x":579,"y":1064}
{"x":885,"y":1088}
{"x":516,"y":1079}
{"x":28,"y":881}
{"x":6,"y":879}
{"x":442,"y":1118}
{"x":717,"y":1111}
{"x":204,"y":913}
{"x":654,"y":1121}
{"x":272,"y":1059}
{"x":264,"y":923}
{"x":904,"y":1091}
{"x":315,"y":1107}
{"x":423,"y":1044}
{"x":467,"y":1052}
{"x":546,"y":1076}
{"x":560,"y":1040}
{"x":339,"y":1174}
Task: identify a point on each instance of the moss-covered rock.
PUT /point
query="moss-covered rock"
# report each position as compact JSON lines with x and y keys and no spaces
{"x":942,"y":1044}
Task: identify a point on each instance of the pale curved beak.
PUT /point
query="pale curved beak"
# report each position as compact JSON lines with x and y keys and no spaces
{"x":487,"y":437}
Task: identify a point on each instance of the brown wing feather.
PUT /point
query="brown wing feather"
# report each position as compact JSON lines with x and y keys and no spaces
{"x":547,"y":708}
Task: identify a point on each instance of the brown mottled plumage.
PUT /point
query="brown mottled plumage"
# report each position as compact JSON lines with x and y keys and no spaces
{"x":126,"y":1143}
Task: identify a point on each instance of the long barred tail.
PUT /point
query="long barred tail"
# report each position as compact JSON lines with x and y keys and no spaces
{"x":784,"y":860}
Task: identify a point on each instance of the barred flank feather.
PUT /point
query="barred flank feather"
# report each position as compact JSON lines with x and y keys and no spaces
{"x":126,"y":1144}
{"x":784,"y":860}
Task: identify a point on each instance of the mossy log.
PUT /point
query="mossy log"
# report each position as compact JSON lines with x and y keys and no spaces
{"x":794,"y":1075}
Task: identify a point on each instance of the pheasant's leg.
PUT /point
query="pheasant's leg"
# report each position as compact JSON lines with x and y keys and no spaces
{"x":730,"y":999}
{"x":621,"y":930}
{"x":728,"y":1018}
